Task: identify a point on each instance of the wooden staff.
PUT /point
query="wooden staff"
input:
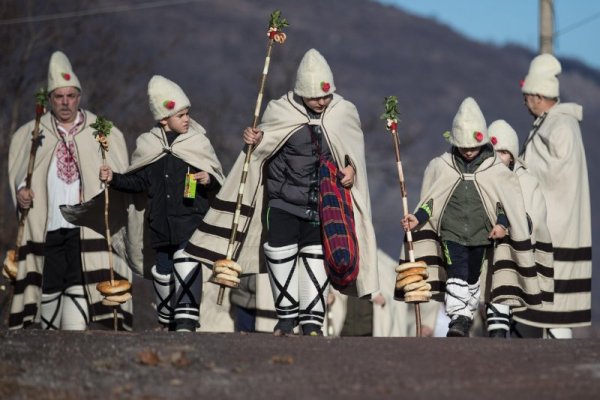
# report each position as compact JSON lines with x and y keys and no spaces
{"x":11,"y":262}
{"x":276,"y":24}
{"x":391,"y":115}
{"x":116,"y":292}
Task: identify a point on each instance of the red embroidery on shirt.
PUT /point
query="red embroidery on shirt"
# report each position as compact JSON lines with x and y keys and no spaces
{"x":66,"y":163}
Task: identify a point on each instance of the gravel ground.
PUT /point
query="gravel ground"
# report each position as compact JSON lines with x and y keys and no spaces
{"x":36,"y":364}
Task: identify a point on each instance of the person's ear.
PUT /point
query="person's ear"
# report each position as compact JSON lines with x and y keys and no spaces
{"x":163,"y":122}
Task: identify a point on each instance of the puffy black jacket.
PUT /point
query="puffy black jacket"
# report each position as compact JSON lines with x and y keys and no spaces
{"x":293,"y":175}
{"x":171,"y":218}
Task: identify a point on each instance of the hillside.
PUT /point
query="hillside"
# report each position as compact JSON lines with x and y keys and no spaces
{"x":215,"y":51}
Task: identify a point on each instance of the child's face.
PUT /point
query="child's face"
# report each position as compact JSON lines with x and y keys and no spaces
{"x":469,"y":153}
{"x":505,"y":156}
{"x":178,"y":123}
{"x":318,"y":104}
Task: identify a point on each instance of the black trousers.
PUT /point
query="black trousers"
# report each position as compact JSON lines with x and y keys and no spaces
{"x":284,"y":229}
{"x":464,"y":261}
{"x":62,"y":260}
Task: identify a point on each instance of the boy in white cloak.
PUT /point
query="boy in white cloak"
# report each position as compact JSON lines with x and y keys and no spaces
{"x":469,"y":204}
{"x":294,"y":131}
{"x":167,"y":164}
{"x":506,"y":144}
{"x":555,"y":154}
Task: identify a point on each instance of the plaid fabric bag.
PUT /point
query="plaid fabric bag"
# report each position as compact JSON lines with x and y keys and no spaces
{"x":340,"y":245}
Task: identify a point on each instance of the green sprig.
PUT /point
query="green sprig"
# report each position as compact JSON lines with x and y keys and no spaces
{"x":276,"y":21}
{"x":102,"y":126}
{"x":41,"y":97}
{"x":391,"y":108}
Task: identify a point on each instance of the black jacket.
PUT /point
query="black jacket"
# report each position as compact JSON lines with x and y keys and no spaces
{"x":293,"y":174}
{"x":172,"y":218}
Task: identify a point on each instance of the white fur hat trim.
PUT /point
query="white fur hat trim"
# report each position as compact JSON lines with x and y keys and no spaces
{"x":166,"y":98}
{"x":542,"y":77}
{"x":314,"y":77}
{"x":504,"y":137}
{"x":468,"y":127}
{"x":60,"y":72}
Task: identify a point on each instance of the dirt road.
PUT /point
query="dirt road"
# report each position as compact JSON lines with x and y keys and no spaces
{"x":37,"y":364}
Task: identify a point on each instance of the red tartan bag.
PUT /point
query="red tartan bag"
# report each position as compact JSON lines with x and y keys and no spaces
{"x":340,"y":245}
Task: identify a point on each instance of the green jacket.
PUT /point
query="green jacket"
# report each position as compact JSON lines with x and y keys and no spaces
{"x":465,"y":220}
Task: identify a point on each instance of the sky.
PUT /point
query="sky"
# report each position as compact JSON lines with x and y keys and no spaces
{"x":576,"y":23}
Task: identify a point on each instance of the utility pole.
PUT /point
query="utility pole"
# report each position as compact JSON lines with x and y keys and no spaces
{"x":546,"y":26}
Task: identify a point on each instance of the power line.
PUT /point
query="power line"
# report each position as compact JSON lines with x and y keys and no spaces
{"x":578,"y":24}
{"x":95,"y":11}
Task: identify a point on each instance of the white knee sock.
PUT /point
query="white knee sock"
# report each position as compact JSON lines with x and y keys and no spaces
{"x":164,"y":290}
{"x":75,"y":315}
{"x":188,"y":288}
{"x":314,"y":285}
{"x":498,"y":317}
{"x":474,"y":293}
{"x":51,"y":310}
{"x":283,"y":276}
{"x":457,"y":298}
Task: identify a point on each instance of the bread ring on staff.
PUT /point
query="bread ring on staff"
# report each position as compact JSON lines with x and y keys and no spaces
{"x":117,"y":287}
{"x":413,"y":271}
{"x":230,"y":264}
{"x":409,"y":279}
{"x":10,"y":267}
{"x":119,"y":298}
{"x":408,"y":265}
{"x":110,"y":303}
{"x":418,"y":293}
{"x":417,"y":297}
{"x":417,"y":287}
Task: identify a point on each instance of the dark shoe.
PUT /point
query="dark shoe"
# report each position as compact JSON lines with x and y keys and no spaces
{"x":497,"y":333}
{"x":284,"y":327}
{"x":312,"y":330}
{"x":459,"y":327}
{"x":186,"y":325}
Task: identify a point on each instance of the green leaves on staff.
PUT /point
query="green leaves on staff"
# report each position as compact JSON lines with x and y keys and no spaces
{"x":41,"y":97}
{"x":276,"y":21}
{"x":391,"y":113}
{"x":391,"y":108}
{"x":102,"y":128}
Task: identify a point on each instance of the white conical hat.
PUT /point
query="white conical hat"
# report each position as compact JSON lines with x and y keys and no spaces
{"x":468,"y":127}
{"x":314,"y":77}
{"x":166,"y":98}
{"x":60,"y":72}
{"x":504,"y":137}
{"x":542,"y":77}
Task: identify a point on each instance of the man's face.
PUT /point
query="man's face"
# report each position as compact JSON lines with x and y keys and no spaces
{"x":532,"y":102}
{"x":65,"y":103}
{"x":318,"y":104}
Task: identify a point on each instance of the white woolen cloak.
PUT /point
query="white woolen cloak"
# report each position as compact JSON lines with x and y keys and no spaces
{"x":510,"y":277}
{"x":283,"y":117}
{"x":555,"y":155}
{"x":535,"y":205}
{"x":94,"y":253}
